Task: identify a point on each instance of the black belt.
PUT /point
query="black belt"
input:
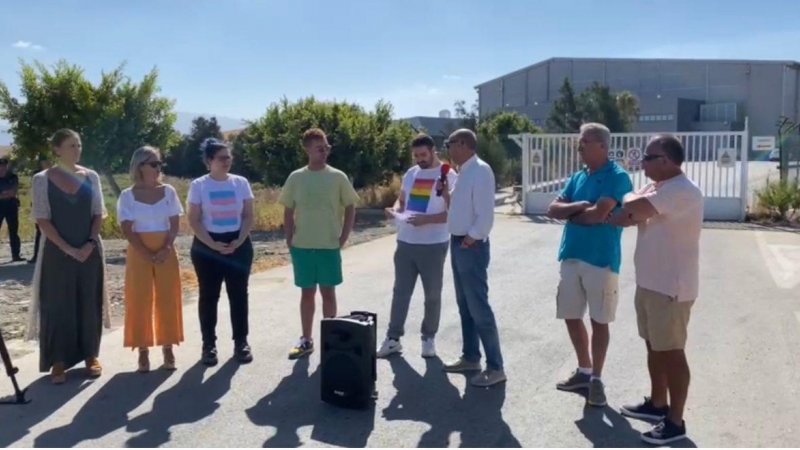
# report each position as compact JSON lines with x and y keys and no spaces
{"x":456,"y":236}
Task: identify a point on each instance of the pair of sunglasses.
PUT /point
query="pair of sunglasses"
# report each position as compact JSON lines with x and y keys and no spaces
{"x":153,"y":164}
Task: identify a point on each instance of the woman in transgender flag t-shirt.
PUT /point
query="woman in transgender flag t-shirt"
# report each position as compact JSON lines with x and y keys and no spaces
{"x":220,"y":209}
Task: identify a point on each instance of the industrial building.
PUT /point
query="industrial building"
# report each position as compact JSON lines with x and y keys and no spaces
{"x":439,"y":128}
{"x":674,"y":94}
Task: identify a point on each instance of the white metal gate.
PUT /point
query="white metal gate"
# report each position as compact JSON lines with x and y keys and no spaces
{"x":716,"y":161}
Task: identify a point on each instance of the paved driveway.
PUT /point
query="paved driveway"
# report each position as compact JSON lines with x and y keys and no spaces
{"x":744,"y":350}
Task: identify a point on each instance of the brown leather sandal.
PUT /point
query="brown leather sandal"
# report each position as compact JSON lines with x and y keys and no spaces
{"x":144,"y":360}
{"x":169,"y":358}
{"x":57,"y":374}
{"x":93,"y":368}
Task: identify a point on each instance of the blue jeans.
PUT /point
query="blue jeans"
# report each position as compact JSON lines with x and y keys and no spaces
{"x":478,"y":325}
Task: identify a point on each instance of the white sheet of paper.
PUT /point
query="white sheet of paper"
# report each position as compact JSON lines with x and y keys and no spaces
{"x":400,"y":218}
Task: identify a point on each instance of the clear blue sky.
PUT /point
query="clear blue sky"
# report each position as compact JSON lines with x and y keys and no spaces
{"x":234,"y":57}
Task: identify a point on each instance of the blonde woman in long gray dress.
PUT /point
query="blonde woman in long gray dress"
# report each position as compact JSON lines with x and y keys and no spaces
{"x":69,"y":302}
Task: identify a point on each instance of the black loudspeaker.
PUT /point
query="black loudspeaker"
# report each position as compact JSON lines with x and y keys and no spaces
{"x":348,"y":368}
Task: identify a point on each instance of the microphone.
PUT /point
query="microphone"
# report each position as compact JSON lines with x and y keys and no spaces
{"x":443,"y":178}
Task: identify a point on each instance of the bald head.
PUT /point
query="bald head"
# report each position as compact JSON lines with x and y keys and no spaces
{"x":462,"y":145}
{"x":466,"y":137}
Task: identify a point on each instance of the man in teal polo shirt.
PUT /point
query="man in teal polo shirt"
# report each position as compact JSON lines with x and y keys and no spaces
{"x":590,"y":256}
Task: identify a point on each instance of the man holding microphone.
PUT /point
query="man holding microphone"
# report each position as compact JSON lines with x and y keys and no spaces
{"x":470,"y":220}
{"x":422,"y":243}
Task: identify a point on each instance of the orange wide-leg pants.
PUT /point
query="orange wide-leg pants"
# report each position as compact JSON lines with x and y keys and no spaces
{"x":153,"y":297}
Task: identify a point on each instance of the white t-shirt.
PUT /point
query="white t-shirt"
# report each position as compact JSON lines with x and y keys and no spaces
{"x":667,"y":254}
{"x":221,"y":202}
{"x":419,"y":186}
{"x":145,"y":217}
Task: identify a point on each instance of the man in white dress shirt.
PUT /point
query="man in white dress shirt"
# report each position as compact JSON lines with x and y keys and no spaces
{"x":469,"y":220}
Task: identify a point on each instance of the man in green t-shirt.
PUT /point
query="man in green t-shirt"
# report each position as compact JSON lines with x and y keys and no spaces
{"x":319,"y":216}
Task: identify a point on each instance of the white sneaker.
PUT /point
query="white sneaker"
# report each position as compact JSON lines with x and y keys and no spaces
{"x":428,"y":348}
{"x":389,"y":347}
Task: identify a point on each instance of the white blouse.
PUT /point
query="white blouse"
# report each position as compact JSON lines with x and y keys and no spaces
{"x":145,"y":217}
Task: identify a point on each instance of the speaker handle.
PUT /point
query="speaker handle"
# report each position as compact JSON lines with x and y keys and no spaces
{"x":371,"y":315}
{"x":374,"y":317}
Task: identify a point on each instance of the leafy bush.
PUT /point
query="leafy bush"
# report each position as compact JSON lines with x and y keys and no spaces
{"x":505,"y":123}
{"x":781,"y":199}
{"x":368,"y":146}
{"x":491,"y":150}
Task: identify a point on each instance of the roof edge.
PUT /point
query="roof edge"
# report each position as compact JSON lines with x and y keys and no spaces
{"x":584,"y":59}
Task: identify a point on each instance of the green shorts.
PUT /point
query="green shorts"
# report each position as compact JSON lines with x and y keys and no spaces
{"x":316,"y":267}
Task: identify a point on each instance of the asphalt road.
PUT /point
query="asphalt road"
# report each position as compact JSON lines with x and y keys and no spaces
{"x":744,"y":350}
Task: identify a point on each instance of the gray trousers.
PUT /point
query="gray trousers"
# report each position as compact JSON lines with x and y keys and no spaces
{"x":425,"y":261}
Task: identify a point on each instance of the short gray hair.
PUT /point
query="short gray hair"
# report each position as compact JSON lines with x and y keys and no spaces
{"x":466,"y":136}
{"x":599,"y":131}
{"x":140,"y":156}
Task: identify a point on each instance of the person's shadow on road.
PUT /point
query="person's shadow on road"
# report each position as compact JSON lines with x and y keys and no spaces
{"x":433,"y":400}
{"x":296,"y":403}
{"x":614,"y":432}
{"x":106,"y":411}
{"x":189,"y":401}
{"x":17,"y":420}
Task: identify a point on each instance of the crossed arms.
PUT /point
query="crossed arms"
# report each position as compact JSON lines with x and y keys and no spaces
{"x":636,"y":209}
{"x":581,"y":213}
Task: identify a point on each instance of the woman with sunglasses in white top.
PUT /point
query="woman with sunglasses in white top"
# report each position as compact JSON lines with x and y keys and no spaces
{"x":149,"y":213}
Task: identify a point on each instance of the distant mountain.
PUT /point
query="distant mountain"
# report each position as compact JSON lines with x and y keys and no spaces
{"x":183,"y":124}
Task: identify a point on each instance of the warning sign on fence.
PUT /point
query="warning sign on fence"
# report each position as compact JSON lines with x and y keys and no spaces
{"x":726,"y":157}
{"x":634,"y":157}
{"x":616,"y":154}
{"x":537,"y":158}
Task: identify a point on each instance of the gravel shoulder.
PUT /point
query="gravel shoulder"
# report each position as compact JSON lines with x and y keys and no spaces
{"x":270,"y":251}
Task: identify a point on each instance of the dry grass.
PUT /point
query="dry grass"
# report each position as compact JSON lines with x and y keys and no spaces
{"x":383,"y":196}
{"x":260,"y":264}
{"x":268,"y":213}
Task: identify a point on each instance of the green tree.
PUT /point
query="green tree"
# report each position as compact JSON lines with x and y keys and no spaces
{"x":114,"y":116}
{"x":492,"y":151}
{"x":628,"y":106}
{"x":493,"y":132}
{"x":185,"y":159}
{"x":599,"y":105}
{"x":469,"y":117}
{"x":501,"y":125}
{"x":367,"y":145}
{"x":595,"y":104}
{"x":565,"y":114}
{"x":242,"y":162}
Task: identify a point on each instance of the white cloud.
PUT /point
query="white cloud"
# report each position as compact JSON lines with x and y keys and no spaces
{"x":27,"y":45}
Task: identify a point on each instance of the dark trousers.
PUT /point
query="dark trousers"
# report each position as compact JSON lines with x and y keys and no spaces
{"x":9,"y":212}
{"x":36,"y":243}
{"x":212,"y":270}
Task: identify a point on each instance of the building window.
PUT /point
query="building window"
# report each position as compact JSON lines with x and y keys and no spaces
{"x":719,"y":112}
{"x":656,"y":117}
